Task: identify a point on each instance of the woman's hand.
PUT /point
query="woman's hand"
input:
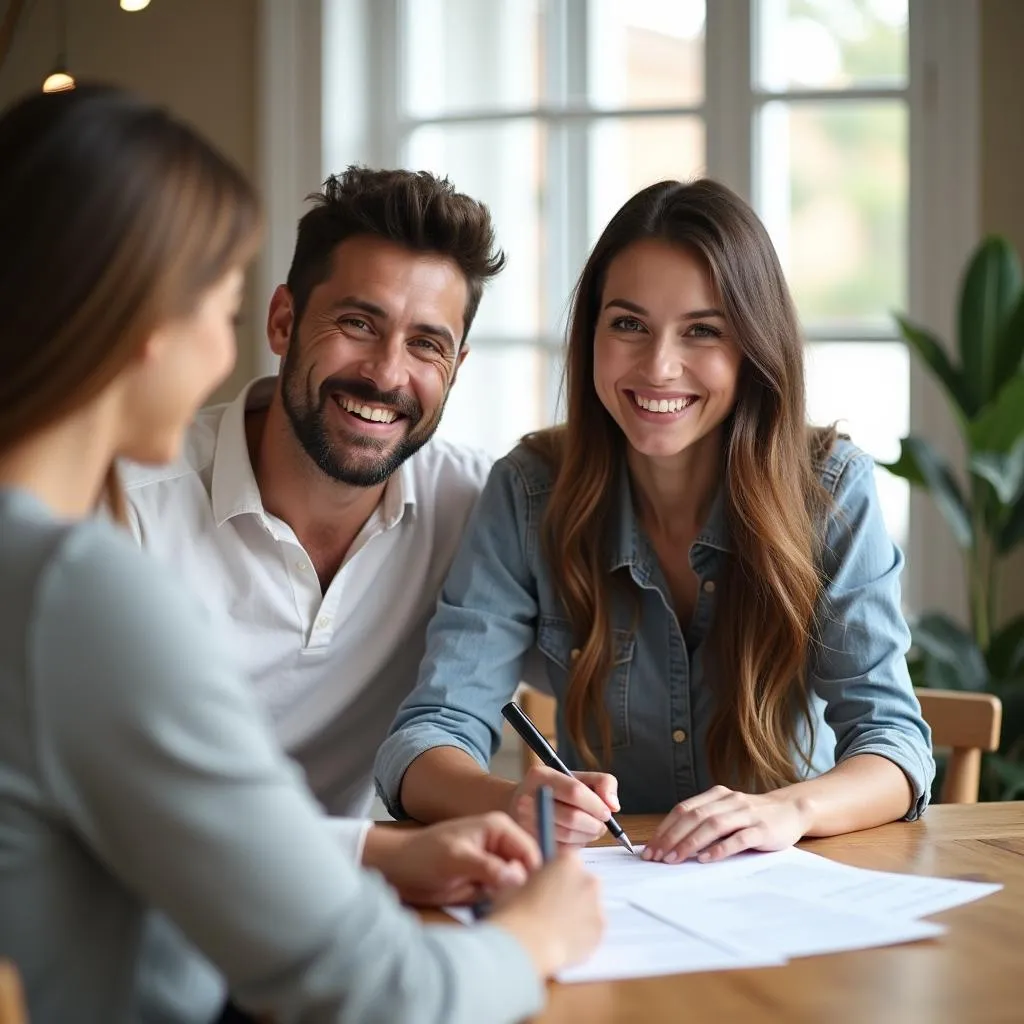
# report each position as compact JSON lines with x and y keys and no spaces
{"x":556,"y":916}
{"x":583,"y":803}
{"x":721,"y":822}
{"x":455,"y":861}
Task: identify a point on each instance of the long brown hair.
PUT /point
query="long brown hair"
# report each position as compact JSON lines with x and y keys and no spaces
{"x":115,"y":217}
{"x":775,"y":505}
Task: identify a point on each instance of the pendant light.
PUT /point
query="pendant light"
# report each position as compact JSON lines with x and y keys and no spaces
{"x":60,"y":79}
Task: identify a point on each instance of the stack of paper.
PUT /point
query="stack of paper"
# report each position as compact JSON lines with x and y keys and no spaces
{"x":754,"y":910}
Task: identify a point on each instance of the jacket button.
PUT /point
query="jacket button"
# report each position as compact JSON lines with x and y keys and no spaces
{"x":574,"y":653}
{"x":709,"y":586}
{"x":679,"y":736}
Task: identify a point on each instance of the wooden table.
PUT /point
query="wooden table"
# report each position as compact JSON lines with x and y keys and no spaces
{"x":975,"y":973}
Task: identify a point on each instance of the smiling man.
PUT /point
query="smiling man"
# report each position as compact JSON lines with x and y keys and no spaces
{"x":316,"y":515}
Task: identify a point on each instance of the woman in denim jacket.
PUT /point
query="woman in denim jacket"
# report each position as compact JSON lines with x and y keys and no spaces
{"x":708,"y":579}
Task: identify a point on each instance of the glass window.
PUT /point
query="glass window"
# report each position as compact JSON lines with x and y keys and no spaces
{"x":553,"y":112}
{"x":645,"y":53}
{"x":863,"y":387}
{"x":831,"y":44}
{"x":832,"y":187}
{"x":459,"y":55}
{"x":626,"y":154}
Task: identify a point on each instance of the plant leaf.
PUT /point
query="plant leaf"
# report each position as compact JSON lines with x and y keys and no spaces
{"x":921,"y":464}
{"x":1000,"y":425}
{"x":1010,"y":774}
{"x":1011,"y":344}
{"x":1005,"y":472}
{"x":1005,"y":654}
{"x":990,"y":293}
{"x":1011,"y":739}
{"x":934,"y":355}
{"x":1012,"y":532}
{"x":952,"y":658}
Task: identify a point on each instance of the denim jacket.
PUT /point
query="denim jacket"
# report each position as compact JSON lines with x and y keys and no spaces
{"x":499,"y":606}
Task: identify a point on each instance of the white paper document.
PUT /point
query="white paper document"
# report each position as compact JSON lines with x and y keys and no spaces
{"x":884,"y":893}
{"x":751,"y":910}
{"x":639,"y":945}
{"x":745,"y":915}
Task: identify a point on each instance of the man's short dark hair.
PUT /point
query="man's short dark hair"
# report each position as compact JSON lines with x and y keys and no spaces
{"x":415,"y":209}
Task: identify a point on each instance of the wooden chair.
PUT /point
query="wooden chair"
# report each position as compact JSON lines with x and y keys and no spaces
{"x":541,"y":709}
{"x":12,"y":1002}
{"x":967,"y":723}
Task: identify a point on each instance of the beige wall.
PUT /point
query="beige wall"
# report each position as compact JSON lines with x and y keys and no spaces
{"x":1002,"y":166}
{"x":196,"y":56}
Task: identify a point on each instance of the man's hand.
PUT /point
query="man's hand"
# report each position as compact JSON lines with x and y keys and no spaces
{"x":453,"y":862}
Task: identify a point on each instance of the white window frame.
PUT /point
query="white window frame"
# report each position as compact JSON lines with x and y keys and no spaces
{"x":299,"y":61}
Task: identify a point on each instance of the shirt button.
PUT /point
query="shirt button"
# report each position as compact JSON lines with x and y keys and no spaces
{"x":679,"y":736}
{"x":302,"y":566}
{"x":709,"y":586}
{"x":323,"y":622}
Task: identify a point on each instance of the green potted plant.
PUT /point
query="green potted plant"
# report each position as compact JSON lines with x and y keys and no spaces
{"x":984,"y":504}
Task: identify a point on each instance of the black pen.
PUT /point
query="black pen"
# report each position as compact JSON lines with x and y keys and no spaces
{"x":530,"y":735}
{"x":546,"y":823}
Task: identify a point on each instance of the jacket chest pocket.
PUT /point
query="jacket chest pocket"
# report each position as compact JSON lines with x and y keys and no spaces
{"x":555,"y":640}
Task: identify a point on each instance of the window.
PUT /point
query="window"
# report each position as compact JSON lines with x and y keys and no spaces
{"x":847,"y":123}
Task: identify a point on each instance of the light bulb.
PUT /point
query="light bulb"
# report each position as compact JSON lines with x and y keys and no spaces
{"x":58,"y":81}
{"x":134,"y":5}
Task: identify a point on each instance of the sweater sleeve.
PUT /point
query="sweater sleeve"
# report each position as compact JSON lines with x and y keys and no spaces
{"x":168,"y":772}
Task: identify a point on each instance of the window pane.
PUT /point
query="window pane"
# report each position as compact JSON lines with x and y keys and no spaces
{"x":866,"y":386}
{"x":831,"y":44}
{"x":500,"y":394}
{"x":468,"y":54}
{"x":501,"y":165}
{"x":832,"y":189}
{"x":646,"y":53}
{"x":626,"y":154}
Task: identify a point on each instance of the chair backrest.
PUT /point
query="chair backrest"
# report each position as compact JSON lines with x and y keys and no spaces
{"x":966,"y":723}
{"x":12,"y":1002}
{"x":542,"y":710}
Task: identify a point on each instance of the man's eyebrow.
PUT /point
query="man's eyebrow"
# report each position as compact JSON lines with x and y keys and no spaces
{"x":438,"y":331}
{"x":695,"y":314}
{"x":351,"y":302}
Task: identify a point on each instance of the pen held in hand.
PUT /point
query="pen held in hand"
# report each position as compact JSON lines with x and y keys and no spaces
{"x":531,"y":736}
{"x":546,"y":823}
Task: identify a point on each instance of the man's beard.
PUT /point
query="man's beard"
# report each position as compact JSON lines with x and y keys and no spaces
{"x":307,"y":416}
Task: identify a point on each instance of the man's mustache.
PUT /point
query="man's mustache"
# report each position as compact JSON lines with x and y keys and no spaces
{"x":401,"y":401}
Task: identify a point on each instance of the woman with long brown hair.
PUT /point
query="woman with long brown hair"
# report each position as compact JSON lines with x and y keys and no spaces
{"x":157,"y":850}
{"x":708,"y":579}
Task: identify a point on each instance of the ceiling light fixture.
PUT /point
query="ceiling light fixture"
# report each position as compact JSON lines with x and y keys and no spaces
{"x":60,"y":79}
{"x":134,"y":5}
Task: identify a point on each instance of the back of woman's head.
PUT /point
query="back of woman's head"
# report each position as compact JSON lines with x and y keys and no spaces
{"x":115,"y":218}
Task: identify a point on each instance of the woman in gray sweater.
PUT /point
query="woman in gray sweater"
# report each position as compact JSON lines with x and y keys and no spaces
{"x":157,"y":851}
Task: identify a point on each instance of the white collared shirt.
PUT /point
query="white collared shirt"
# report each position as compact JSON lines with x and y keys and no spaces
{"x":330,"y":669}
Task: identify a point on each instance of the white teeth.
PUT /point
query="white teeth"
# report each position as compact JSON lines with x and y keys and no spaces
{"x":373,"y":414}
{"x":664,"y":404}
